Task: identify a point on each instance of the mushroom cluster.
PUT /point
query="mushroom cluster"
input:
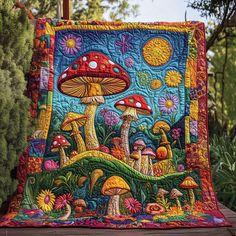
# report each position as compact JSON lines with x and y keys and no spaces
{"x":90,"y":78}
{"x":132,"y":106}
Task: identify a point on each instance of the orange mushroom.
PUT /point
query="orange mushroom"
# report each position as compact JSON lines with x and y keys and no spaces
{"x":90,"y":78}
{"x":114,"y":187}
{"x":189,"y":184}
{"x":161,"y":127}
{"x":74,"y":121}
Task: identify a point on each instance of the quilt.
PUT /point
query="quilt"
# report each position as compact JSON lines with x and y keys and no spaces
{"x":122,"y":137}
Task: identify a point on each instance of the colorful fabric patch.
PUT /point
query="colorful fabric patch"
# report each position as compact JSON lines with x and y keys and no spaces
{"x":121,"y":139}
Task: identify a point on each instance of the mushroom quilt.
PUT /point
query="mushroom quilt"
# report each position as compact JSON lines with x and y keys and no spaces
{"x":121,"y":138}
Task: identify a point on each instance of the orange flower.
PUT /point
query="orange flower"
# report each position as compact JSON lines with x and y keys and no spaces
{"x":118,"y":152}
{"x":154,"y":209}
{"x":173,"y":211}
{"x":34,"y":164}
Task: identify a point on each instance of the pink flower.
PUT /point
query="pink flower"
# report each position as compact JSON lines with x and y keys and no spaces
{"x":133,"y":205}
{"x":129,"y":62}
{"x":154,"y":209}
{"x":62,"y":200}
{"x":104,"y":148}
{"x":176,"y":133}
{"x":51,"y":165}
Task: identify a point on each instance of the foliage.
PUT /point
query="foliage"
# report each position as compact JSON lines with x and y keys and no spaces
{"x":15,"y":50}
{"x":86,"y":10}
{"x":220,"y":10}
{"x":222,"y":84}
{"x":223,"y":158}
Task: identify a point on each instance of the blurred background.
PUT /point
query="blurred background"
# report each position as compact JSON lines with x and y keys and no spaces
{"x":16,"y":43}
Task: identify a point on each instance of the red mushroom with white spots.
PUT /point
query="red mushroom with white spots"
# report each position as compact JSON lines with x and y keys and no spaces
{"x":91,"y":77}
{"x":132,"y":106}
{"x":58,"y":144}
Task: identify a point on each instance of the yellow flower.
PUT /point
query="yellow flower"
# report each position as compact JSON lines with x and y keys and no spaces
{"x":173,"y":78}
{"x":155,"y":84}
{"x":46,"y":200}
{"x":194,"y":110}
{"x":142,"y":127}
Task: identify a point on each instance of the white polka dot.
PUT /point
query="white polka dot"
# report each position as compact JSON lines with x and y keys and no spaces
{"x":63,"y":141}
{"x":138,"y":104}
{"x":55,"y":142}
{"x":84,"y":58}
{"x":121,"y":102}
{"x":59,"y":136}
{"x":64,"y":76}
{"x":111,"y":62}
{"x":66,"y":68}
{"x":149,"y":107}
{"x":93,"y":64}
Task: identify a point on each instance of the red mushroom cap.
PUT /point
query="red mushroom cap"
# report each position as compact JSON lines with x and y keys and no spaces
{"x":136,"y":101}
{"x":58,"y":142}
{"x":149,"y":152}
{"x":93,"y":67}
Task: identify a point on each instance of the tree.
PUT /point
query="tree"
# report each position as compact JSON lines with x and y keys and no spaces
{"x":15,"y":55}
{"x":86,"y":10}
{"x":223,"y":12}
{"x":223,"y":84}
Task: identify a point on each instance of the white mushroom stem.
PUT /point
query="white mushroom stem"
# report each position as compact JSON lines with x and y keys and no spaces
{"x":137,"y":164}
{"x":145,"y":164}
{"x":113,"y":206}
{"x":67,"y":212}
{"x":128,"y":117}
{"x":150,"y":167}
{"x":78,"y":138}
{"x":178,"y":202}
{"x":63,"y":157}
{"x":91,"y":140}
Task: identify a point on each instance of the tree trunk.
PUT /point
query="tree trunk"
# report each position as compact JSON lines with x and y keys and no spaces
{"x":113,"y":206}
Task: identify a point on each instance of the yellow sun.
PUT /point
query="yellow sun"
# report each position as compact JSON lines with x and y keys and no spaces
{"x":45,"y":200}
{"x":157,"y":51}
{"x":70,"y":43}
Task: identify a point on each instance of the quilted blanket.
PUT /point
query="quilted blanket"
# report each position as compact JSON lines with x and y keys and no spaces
{"x":121,"y":138}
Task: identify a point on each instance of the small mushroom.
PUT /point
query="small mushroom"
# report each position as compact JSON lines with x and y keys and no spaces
{"x":80,"y":205}
{"x":58,"y":144}
{"x":132,"y":106}
{"x":138,"y":146}
{"x":96,"y":174}
{"x":175,"y":194}
{"x":161,"y":127}
{"x":189,"y":184}
{"x":116,"y":141}
{"x":114,"y":187}
{"x":161,"y":194}
{"x":91,"y":77}
{"x":147,"y":156}
{"x":74,"y":121}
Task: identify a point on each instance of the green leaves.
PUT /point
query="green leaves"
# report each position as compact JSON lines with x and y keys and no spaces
{"x":223,"y":154}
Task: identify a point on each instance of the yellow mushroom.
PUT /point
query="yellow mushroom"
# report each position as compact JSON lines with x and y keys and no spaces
{"x":114,"y":187}
{"x":96,"y":174}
